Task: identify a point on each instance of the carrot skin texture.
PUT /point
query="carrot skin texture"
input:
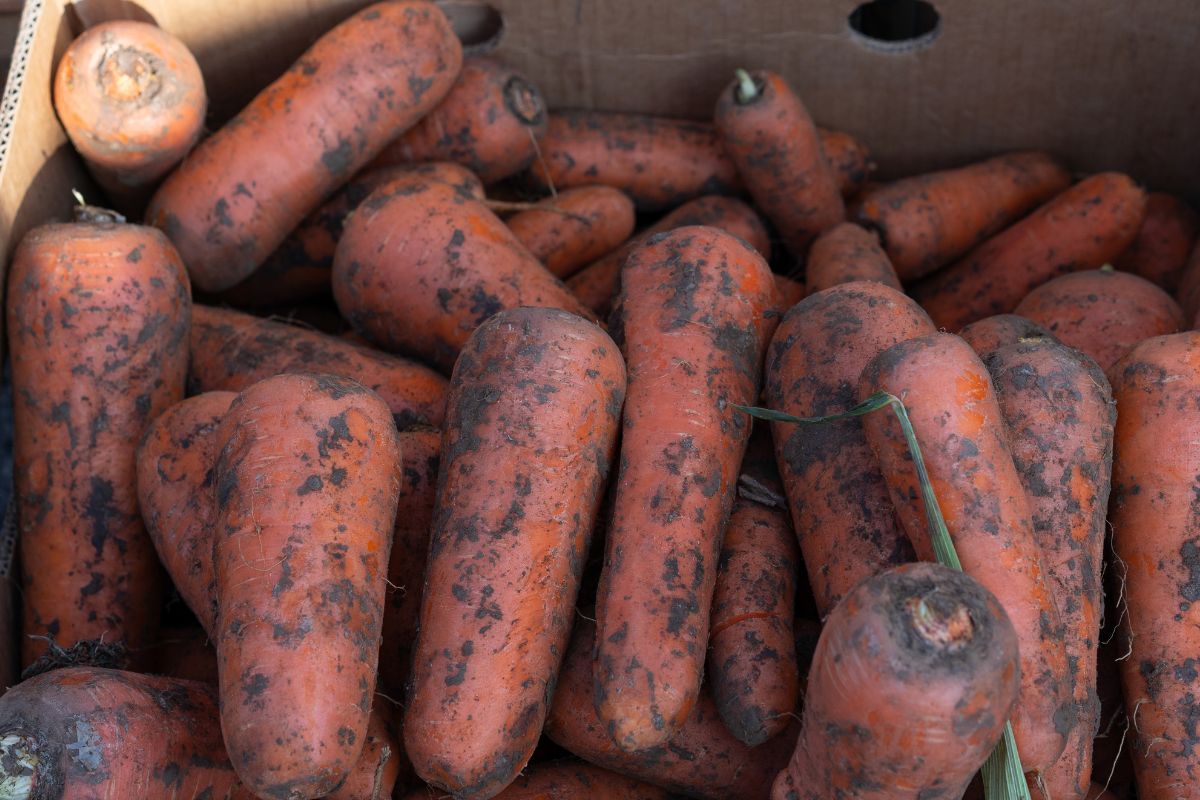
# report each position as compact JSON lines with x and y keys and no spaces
{"x":1156,"y":536}
{"x":568,"y":779}
{"x":487,"y":122}
{"x":702,"y":760}
{"x":597,"y":284}
{"x":175,"y":492}
{"x":109,"y":733}
{"x":306,"y":483}
{"x":927,"y":221}
{"x":97,"y":325}
{"x":534,"y":410}
{"x":1160,"y":251}
{"x":1000,"y":330}
{"x":1085,"y":227}
{"x":914,"y":675}
{"x":849,"y":159}
{"x":236,"y":197}
{"x":691,"y":325}
{"x":1102,"y":313}
{"x":380,"y":764}
{"x":597,"y":220}
{"x":847,"y":252}
{"x":1064,"y":461}
{"x":840,"y":507}
{"x":954,"y":411}
{"x":231,"y":351}
{"x":420,"y":267}
{"x":775,"y":146}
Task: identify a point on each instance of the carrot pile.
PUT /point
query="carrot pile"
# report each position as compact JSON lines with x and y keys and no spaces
{"x":405,"y":451}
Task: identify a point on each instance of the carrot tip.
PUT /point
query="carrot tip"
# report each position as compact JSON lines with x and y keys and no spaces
{"x":18,"y":766}
{"x":947,"y":627}
{"x":128,"y":75}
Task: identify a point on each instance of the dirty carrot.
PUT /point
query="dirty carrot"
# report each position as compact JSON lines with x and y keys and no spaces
{"x":236,"y":197}
{"x":380,"y":764}
{"x":1160,"y":251}
{"x":845,"y":253}
{"x":849,"y":159}
{"x":575,"y":227}
{"x":991,"y":333}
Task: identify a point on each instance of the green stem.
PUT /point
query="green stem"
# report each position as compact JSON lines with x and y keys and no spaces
{"x":747,"y":90}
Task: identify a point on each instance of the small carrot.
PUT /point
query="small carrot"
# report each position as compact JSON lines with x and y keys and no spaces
{"x":575,"y":227}
{"x":380,"y":764}
{"x":767,"y":132}
{"x":846,"y":253}
{"x":788,"y":291}
{"x":1160,"y":251}
{"x":915,"y":673}
{"x":1085,"y":227}
{"x":488,"y":123}
{"x":927,"y":221}
{"x":991,"y":333}
{"x":849,"y":159}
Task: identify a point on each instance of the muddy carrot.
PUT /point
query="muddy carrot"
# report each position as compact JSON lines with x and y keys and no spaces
{"x":534,"y":408}
{"x":846,"y":253}
{"x":488,"y":123}
{"x":1102,"y":312}
{"x":956,"y":416}
{"x":840,"y":506}
{"x":914,"y":675}
{"x":769,"y":136}
{"x":306,"y":482}
{"x":236,"y":197}
{"x":991,"y":333}
{"x":380,"y":764}
{"x":1085,"y":227}
{"x":575,"y":227}
{"x":691,"y":325}
{"x":97,"y":324}
{"x":849,"y":159}
{"x":927,"y":221}
{"x":1160,"y":251}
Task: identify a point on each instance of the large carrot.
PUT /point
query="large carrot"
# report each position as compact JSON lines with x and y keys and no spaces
{"x":1160,"y":251}
{"x":568,"y":779}
{"x":131,"y":98}
{"x":420,"y":267}
{"x":81,"y":732}
{"x":845,"y":253}
{"x":767,"y":132}
{"x":535,"y":405}
{"x":991,"y":333}
{"x":488,"y":122}
{"x":1085,"y":227}
{"x":97,"y":325}
{"x":702,"y":760}
{"x":306,"y":482}
{"x":230,"y":351}
{"x":927,"y":221}
{"x":575,"y":227}
{"x":236,"y":197}
{"x":839,"y":502}
{"x":1064,"y":461}
{"x":1102,"y":312}
{"x":1157,"y":549}
{"x":914,"y":676}
{"x":597,"y":285}
{"x":691,"y":324}
{"x":955,"y":414}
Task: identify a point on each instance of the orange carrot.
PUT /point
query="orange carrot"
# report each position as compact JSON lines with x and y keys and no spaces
{"x":574,"y":228}
{"x":788,"y":291}
{"x":991,"y":333}
{"x":378,"y":768}
{"x":846,"y":253}
{"x":1160,"y":251}
{"x":849,"y":159}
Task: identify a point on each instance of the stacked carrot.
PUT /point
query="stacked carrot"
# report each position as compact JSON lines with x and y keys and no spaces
{"x":516,"y":507}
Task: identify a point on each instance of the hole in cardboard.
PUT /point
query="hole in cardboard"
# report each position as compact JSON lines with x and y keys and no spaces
{"x":478,"y":26}
{"x":896,"y":25}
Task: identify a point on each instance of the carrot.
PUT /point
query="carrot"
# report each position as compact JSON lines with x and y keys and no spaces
{"x":955,"y":414}
{"x":1160,"y":251}
{"x":846,"y":253}
{"x":231,"y":351}
{"x":1157,"y":389}
{"x":131,"y":98}
{"x":488,"y":122}
{"x":175,"y":492}
{"x":767,"y":132}
{"x":691,"y":324}
{"x":927,"y":221}
{"x":702,"y":760}
{"x":849,"y":159}
{"x":914,"y":675}
{"x":1085,"y":227}
{"x":378,"y":768}
{"x":839,"y":502}
{"x":420,"y":451}
{"x":568,"y":779}
{"x":597,"y":285}
{"x":788,"y":291}
{"x":992,"y":333}
{"x":535,"y":404}
{"x":187,"y":654}
{"x":85,"y":732}
{"x":420,"y":267}
{"x":574,"y":228}
{"x":1102,"y":312}
{"x":1064,"y":461}
{"x":1188,"y":294}
{"x":236,"y":197}
{"x":97,"y":319}
{"x":752,"y":652}
{"x":306,"y":483}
